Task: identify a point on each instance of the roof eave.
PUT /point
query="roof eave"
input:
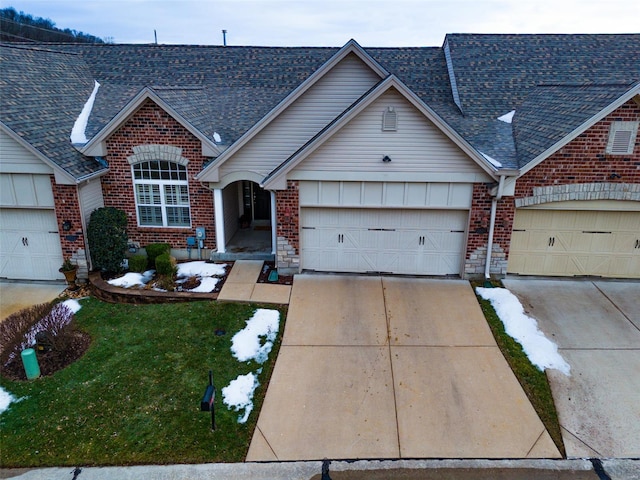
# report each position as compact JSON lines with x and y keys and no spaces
{"x":61,"y":175}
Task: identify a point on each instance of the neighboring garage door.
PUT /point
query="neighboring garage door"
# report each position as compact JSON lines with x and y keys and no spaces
{"x":568,"y":243}
{"x":402,"y":241}
{"x":30,"y":247}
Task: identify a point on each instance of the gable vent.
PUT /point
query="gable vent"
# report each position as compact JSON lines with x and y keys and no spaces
{"x":622,"y":138}
{"x":389,"y":120}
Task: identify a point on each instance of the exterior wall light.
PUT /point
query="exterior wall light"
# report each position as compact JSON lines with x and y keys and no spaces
{"x":386,"y":159}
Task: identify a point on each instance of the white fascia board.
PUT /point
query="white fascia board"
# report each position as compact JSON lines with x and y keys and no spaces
{"x":62,"y":176}
{"x":96,"y":146}
{"x":390,"y":82}
{"x":350,"y":47}
{"x":632,"y":93}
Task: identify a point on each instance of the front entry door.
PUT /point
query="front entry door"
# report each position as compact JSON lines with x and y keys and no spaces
{"x":261,"y":203}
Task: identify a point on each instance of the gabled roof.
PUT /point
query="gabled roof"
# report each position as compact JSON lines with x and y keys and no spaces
{"x":41,"y":94}
{"x":350,"y":47}
{"x":552,"y":116}
{"x":209,"y":147}
{"x":391,"y":82}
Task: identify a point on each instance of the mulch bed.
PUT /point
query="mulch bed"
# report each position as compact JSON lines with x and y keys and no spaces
{"x":76,"y":344}
{"x":264,"y":275}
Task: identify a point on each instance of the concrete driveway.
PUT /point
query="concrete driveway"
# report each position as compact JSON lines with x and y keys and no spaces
{"x":596,"y":325}
{"x":377,"y":367}
{"x":14,"y":296}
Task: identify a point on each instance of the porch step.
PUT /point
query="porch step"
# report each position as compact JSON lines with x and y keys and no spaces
{"x":230,"y":256}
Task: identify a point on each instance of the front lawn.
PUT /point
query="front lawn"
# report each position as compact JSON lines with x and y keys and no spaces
{"x":134,"y":397}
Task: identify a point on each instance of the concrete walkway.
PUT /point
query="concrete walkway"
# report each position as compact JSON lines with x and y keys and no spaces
{"x":14,"y":296}
{"x":376,"y":367}
{"x":241,"y":285}
{"x":596,"y":325}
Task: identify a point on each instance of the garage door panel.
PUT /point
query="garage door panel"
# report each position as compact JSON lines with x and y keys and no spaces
{"x":30,"y":246}
{"x":384,"y":240}
{"x":568,"y":243}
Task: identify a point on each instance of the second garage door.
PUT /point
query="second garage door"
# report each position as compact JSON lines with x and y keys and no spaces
{"x":401,"y":241}
{"x":568,"y":243}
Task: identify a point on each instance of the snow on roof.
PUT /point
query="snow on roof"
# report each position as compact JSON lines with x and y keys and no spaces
{"x":542,"y":352}
{"x":492,"y":160}
{"x":78,"y":135}
{"x":507,"y":117}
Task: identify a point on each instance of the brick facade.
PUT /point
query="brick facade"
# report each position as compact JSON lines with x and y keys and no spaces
{"x":68,"y":210}
{"x":150,"y":125}
{"x":288,"y":228}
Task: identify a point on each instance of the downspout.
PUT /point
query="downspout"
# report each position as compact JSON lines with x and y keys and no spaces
{"x":492,"y":223}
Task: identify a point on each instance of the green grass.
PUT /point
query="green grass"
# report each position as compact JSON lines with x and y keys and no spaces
{"x":134,"y":397}
{"x":534,"y":381}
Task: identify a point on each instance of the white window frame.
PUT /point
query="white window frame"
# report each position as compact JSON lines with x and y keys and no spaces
{"x":161,"y":193}
{"x":622,"y":134}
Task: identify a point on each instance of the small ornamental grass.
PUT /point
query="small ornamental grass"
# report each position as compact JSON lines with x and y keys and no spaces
{"x":134,"y":397}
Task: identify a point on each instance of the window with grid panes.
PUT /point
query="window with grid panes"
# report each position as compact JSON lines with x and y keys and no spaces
{"x":162,"y":194}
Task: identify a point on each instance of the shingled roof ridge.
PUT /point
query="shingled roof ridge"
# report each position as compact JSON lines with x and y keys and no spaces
{"x":36,"y":48}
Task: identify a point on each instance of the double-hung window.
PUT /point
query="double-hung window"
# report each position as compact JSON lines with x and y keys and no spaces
{"x":162,"y":194}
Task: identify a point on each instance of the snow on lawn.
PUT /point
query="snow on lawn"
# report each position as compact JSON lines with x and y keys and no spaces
{"x":6,"y":399}
{"x":542,"y":352}
{"x":246,"y":343}
{"x":132,"y":279}
{"x":239,"y":394}
{"x":72,"y":305}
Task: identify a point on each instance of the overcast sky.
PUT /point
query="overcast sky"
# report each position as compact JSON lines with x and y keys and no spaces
{"x":372,"y":23}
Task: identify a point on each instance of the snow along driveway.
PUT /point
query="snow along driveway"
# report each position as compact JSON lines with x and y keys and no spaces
{"x":389,"y":367}
{"x":596,"y":325}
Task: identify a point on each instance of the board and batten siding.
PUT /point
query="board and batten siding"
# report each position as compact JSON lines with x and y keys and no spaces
{"x":304,"y":118}
{"x":386,"y":195}
{"x":418,"y":149}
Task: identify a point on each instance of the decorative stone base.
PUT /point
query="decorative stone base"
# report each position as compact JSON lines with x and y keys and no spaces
{"x":475,"y":264}
{"x":287,"y":260}
{"x":80,"y":259}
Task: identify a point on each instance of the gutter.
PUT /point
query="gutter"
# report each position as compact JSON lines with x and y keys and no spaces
{"x":492,"y":223}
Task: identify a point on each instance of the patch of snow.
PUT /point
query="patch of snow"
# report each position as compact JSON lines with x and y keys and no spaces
{"x":201,"y":269}
{"x":542,"y":352}
{"x":216,"y":137}
{"x":72,"y":305}
{"x":6,"y":399}
{"x":507,"y":117}
{"x":239,"y":394}
{"x":246,"y":345}
{"x":207,"y":285}
{"x":492,"y":161}
{"x":80,"y":126}
{"x":132,"y":279}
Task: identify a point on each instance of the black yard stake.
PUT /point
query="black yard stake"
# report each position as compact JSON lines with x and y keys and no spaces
{"x":208,"y":400}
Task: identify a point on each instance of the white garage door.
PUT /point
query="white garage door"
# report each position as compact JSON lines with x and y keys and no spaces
{"x":568,"y":243}
{"x":30,"y":246}
{"x":403,"y":241}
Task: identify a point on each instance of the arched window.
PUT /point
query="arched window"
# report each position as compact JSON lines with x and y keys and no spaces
{"x":162,"y":194}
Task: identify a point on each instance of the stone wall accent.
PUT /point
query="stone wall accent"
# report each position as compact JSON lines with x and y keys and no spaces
{"x":151,"y":133}
{"x":288,"y":228}
{"x":474,"y":266}
{"x":581,"y":191}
